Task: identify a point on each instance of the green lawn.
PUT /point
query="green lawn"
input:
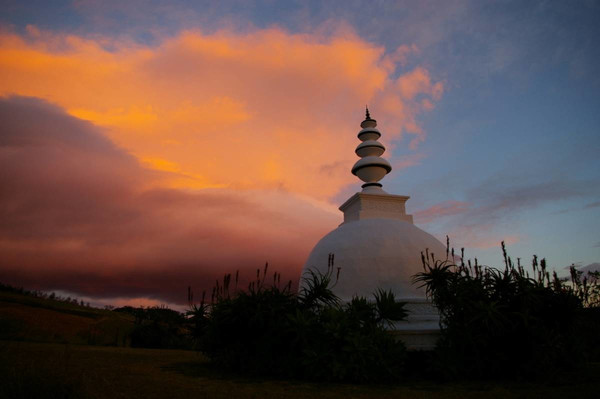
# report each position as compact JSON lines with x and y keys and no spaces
{"x":49,"y":370}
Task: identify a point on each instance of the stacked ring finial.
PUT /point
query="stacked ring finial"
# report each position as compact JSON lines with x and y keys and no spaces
{"x":371,"y":167}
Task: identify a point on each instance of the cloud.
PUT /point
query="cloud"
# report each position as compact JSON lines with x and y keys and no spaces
{"x":405,"y":99}
{"x":406,"y":161}
{"x":592,"y":205}
{"x":150,"y":167}
{"x":446,"y":208}
{"x":592,"y":267}
{"x":82,"y":215}
{"x":487,"y":212}
{"x":479,"y":236}
{"x":264,"y":109}
{"x":499,"y":202}
{"x":500,"y":195}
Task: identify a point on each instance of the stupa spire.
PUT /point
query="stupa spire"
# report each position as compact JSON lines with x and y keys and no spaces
{"x":371,"y":167}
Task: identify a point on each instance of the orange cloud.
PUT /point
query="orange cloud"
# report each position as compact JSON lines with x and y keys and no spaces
{"x":261,"y":110}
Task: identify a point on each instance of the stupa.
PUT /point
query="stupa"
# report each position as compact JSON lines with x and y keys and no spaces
{"x":378,"y":246}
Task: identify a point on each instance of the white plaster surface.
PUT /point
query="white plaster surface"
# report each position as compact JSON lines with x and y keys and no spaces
{"x":374,"y":203}
{"x":375,"y":253}
{"x":421,"y":329}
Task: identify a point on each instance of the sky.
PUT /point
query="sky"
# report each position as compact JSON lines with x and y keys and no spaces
{"x":147,"y":146}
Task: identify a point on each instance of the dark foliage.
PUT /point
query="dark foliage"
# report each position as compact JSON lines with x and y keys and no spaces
{"x":502,"y":323}
{"x":586,"y":286}
{"x":588,"y":333}
{"x":158,"y":327}
{"x":42,"y":295}
{"x":269,"y":330}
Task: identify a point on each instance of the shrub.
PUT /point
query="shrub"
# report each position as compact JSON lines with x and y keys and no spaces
{"x":586,"y":286}
{"x":502,"y":323}
{"x":270,"y":330}
{"x":158,"y":327}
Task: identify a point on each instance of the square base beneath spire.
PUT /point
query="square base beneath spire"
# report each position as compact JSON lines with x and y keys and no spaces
{"x":375,"y":206}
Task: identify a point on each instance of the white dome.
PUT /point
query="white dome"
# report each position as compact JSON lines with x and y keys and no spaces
{"x":372,"y":254}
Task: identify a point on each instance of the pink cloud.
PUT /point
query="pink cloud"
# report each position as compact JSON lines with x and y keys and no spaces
{"x":407,"y":161}
{"x":401,"y":55}
{"x":409,"y":95}
{"x":446,"y":208}
{"x":481,"y":236}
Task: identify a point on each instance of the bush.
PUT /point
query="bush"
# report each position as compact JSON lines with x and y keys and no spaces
{"x":271,"y":331}
{"x":502,"y":323}
{"x":588,"y":333}
{"x":158,"y":327}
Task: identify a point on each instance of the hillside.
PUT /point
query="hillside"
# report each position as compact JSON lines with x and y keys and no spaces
{"x":28,"y":318}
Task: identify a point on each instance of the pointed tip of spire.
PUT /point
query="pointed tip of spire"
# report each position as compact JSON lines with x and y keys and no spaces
{"x":368,"y":122}
{"x":368,"y":114}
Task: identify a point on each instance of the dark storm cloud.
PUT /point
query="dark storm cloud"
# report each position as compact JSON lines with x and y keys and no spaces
{"x":80,"y":214}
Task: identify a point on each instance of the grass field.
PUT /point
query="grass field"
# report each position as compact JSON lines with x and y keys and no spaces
{"x":50,"y":370}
